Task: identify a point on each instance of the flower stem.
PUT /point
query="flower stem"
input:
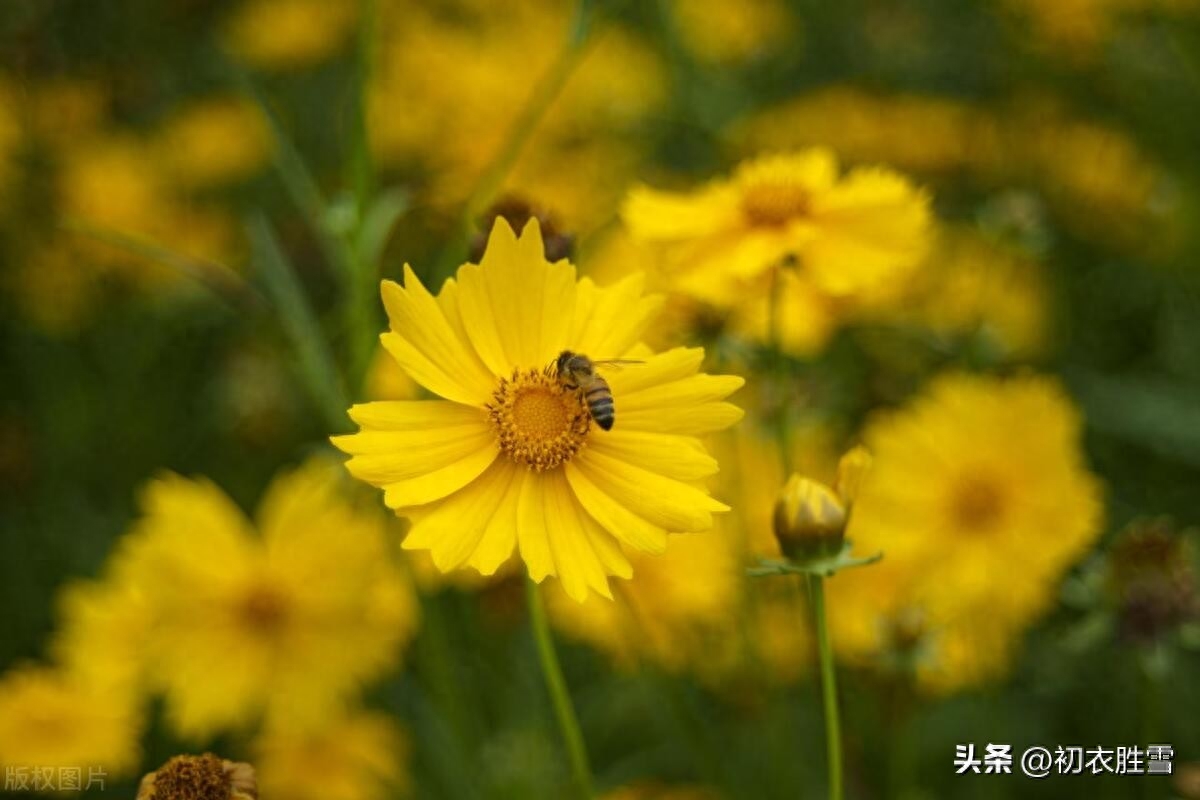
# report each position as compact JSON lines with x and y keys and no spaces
{"x":568,"y":723}
{"x":779,"y":368}
{"x":542,"y":96}
{"x":833,"y":727}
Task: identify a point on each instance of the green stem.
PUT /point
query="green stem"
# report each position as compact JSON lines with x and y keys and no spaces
{"x":779,"y":368}
{"x":530,"y":116}
{"x":833,"y":727}
{"x":361,"y":289}
{"x":568,"y":723}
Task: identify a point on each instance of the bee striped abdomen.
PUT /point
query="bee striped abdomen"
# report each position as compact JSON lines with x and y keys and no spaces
{"x":600,"y":403}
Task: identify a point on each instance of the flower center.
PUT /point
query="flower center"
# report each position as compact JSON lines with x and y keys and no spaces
{"x":977,"y":503}
{"x":539,"y":422}
{"x":773,"y":201}
{"x":192,"y":778}
{"x":263,"y":609}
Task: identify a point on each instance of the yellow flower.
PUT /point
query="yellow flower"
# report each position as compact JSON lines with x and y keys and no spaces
{"x":973,"y":285}
{"x":980,"y":501}
{"x":358,"y":757}
{"x":215,"y":141}
{"x":729,"y":31}
{"x":510,"y":457}
{"x":287,"y":624}
{"x":289,"y":34}
{"x":49,"y":720}
{"x":102,"y":630}
{"x":680,"y":612}
{"x":1097,"y":178}
{"x":852,"y":237}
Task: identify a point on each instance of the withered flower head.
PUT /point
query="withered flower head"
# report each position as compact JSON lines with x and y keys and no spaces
{"x":517,"y":211}
{"x":204,"y":777}
{"x":1151,"y":578}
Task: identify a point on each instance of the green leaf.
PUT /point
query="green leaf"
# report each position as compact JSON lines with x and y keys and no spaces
{"x":317,"y":366}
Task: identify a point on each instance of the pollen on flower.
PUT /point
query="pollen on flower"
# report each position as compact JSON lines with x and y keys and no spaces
{"x":539,"y":421}
{"x":192,"y":778}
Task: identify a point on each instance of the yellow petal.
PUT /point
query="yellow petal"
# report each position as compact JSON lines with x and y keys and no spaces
{"x":654,"y":215}
{"x":576,"y":562}
{"x":671,"y":505}
{"x":706,"y":418}
{"x":682,"y":394}
{"x":516,"y":306}
{"x":500,"y":537}
{"x":415,"y":415}
{"x":382,"y":457}
{"x":532,"y":537}
{"x":872,"y":223}
{"x":438,"y":483}
{"x":610,"y":321}
{"x":680,"y":457}
{"x":673,"y":365}
{"x":614,"y":517}
{"x":453,"y":529}
{"x":427,"y":347}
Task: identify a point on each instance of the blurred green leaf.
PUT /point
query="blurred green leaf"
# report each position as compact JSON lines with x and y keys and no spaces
{"x":317,"y":365}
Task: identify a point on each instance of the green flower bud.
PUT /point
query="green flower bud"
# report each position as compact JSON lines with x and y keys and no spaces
{"x":810,"y":520}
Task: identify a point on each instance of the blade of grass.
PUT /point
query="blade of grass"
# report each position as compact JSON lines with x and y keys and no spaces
{"x":539,"y":101}
{"x":317,"y":366}
{"x":221,"y":280}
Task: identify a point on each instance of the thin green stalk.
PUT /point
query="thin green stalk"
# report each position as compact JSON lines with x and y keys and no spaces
{"x":360,"y":299}
{"x":317,"y":365}
{"x":833,"y":726}
{"x":222,"y":281}
{"x":568,"y":723}
{"x":527,"y":121}
{"x":779,"y":368}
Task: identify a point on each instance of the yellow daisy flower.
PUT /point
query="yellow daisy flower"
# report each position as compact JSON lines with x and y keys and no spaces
{"x":358,"y":757}
{"x":50,"y":721}
{"x":288,"y":624}
{"x":852,"y":237}
{"x":980,"y":500}
{"x":510,"y":457}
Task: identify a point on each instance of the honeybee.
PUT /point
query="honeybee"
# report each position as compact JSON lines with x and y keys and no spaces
{"x":577,"y":371}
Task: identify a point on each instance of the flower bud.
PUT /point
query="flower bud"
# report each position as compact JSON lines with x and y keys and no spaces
{"x":850,"y":473}
{"x":810,"y":520}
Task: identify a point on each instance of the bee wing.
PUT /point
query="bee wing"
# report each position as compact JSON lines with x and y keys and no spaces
{"x":616,"y":363}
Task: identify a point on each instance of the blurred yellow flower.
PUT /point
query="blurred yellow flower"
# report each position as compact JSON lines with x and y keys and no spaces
{"x":971,"y":284}
{"x":730,"y":31}
{"x":213,"y":142}
{"x":48,"y":720}
{"x":285,"y":625}
{"x":850,"y":234}
{"x":289,"y":34}
{"x":10,"y":137}
{"x":980,"y":500}
{"x":511,"y":457}
{"x":487,"y":60}
{"x":101,"y":631}
{"x":1078,"y":27}
{"x":1097,"y":178}
{"x":850,"y":239}
{"x":361,"y":756}
{"x":678,"y":613}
